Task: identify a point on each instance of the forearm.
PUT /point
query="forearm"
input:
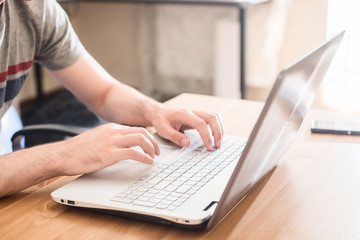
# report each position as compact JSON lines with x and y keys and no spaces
{"x":126,"y":105}
{"x":112,"y":100}
{"x":27,"y":167}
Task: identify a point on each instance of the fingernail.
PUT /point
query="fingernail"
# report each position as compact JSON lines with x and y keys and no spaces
{"x":184,"y":142}
{"x":150,"y":161}
{"x":218,"y":143}
{"x":210,"y":146}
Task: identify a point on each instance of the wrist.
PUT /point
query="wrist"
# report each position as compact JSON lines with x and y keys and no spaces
{"x":50,"y":159}
{"x":150,"y":109}
{"x":27,"y":167}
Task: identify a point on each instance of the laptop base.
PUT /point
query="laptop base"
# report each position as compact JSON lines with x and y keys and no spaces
{"x":146,"y":218}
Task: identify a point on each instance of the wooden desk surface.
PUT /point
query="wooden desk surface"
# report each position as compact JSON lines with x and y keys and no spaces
{"x":313,"y":194}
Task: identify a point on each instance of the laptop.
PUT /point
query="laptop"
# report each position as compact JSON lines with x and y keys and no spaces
{"x":193,"y":188}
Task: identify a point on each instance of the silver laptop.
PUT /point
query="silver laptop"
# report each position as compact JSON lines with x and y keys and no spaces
{"x":195,"y":188}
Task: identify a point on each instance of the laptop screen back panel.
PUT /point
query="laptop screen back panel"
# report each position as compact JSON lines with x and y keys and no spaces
{"x":282,"y":115}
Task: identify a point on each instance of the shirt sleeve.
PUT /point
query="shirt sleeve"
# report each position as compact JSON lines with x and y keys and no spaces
{"x":60,"y":47}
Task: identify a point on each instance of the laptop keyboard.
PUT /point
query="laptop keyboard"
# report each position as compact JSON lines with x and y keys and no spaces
{"x":173,"y":182}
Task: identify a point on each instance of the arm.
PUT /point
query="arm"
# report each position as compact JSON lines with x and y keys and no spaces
{"x":110,"y":99}
{"x":117,"y":102}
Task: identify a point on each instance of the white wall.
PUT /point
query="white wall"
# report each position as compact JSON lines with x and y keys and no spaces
{"x":173,"y":46}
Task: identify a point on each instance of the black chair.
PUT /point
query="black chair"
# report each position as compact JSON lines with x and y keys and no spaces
{"x":18,"y":139}
{"x":61,"y":117}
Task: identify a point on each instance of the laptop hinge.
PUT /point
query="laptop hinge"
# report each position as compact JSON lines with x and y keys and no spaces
{"x":210,"y":205}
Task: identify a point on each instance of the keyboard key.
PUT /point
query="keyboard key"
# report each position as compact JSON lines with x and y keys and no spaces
{"x":171,"y":198}
{"x":155,"y":200}
{"x":162,"y":206}
{"x":132,"y":197}
{"x":175,"y":194}
{"x":153,"y":191}
{"x":144,"y":199}
{"x":162,"y":185}
{"x":137,"y":193}
{"x":155,"y":180}
{"x":122,"y":200}
{"x":144,"y":203}
{"x":191,"y":183}
{"x":170,"y":178}
{"x":171,"y":208}
{"x":183,"y":189}
{"x":122,"y":195}
{"x":166,"y":202}
{"x":149,"y":195}
{"x":192,"y":191}
{"x":171,"y":188}
{"x":177,"y":183}
{"x":163,"y":193}
{"x":183,"y":179}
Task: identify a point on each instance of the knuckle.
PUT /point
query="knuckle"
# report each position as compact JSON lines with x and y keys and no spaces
{"x":108,"y":128}
{"x":132,"y":152}
{"x":140,"y":137}
{"x":139,"y":130}
{"x":136,"y":155}
{"x":218,"y":117}
{"x":214,"y":116}
{"x":110,"y":125}
{"x":143,"y":131}
{"x":185,"y":110}
{"x":200,"y":123}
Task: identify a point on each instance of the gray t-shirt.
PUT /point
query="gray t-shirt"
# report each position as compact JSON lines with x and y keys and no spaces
{"x":37,"y":30}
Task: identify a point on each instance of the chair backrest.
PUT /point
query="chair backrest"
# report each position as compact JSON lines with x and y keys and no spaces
{"x":10,"y":123}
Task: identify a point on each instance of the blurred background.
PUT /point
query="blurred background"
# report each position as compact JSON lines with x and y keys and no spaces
{"x":167,"y":49}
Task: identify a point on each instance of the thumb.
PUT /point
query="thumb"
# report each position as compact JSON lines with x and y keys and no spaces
{"x":176,"y":137}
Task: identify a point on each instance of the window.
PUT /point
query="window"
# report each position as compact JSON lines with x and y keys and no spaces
{"x":341,"y":89}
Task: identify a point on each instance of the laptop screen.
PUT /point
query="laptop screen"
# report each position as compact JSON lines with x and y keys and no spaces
{"x":281,"y":117}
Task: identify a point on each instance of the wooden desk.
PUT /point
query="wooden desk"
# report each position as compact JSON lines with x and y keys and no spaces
{"x":313,"y":194}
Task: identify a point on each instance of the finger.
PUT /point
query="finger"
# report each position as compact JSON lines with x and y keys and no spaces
{"x":131,"y":130}
{"x":137,"y":139}
{"x":131,"y":153}
{"x":220,"y":123}
{"x":200,"y":125}
{"x":173,"y":135}
{"x":214,"y":122}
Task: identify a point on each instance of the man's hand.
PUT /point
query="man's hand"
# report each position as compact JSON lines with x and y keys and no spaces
{"x":170,"y":123}
{"x":106,"y":145}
